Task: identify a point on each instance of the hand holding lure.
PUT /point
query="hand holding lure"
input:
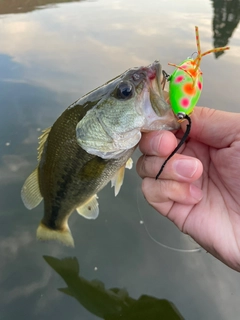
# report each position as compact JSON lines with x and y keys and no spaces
{"x":185,"y":86}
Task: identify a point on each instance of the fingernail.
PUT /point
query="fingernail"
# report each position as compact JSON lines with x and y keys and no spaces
{"x":195,"y":192}
{"x":186,"y":167}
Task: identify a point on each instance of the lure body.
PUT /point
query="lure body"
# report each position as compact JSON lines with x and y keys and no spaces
{"x":186,"y":82}
{"x":185,"y":86}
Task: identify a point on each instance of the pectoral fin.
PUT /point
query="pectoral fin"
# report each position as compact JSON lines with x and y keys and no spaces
{"x":89,"y":209}
{"x":30,"y":193}
{"x":117,"y":180}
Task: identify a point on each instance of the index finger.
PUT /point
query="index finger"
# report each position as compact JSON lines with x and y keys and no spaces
{"x":215,"y":128}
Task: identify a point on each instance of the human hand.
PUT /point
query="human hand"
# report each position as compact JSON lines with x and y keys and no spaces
{"x":199,"y":188}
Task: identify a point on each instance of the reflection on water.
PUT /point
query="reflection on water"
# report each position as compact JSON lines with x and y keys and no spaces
{"x":109,"y":304}
{"x":225,"y":20}
{"x":23,"y":6}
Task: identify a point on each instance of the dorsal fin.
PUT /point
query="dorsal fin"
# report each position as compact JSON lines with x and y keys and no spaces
{"x":42,"y":139}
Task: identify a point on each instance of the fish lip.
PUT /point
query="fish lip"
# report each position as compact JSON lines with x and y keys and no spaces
{"x":154,"y":72}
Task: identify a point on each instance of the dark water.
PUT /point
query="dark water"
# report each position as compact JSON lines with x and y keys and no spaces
{"x":51,"y":53}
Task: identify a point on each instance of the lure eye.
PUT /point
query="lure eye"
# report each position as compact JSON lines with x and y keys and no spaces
{"x":124,"y":90}
{"x":181,"y":115}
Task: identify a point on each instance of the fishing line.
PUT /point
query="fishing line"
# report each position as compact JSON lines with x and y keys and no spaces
{"x":194,"y":54}
{"x":198,"y":249}
{"x":181,"y":142}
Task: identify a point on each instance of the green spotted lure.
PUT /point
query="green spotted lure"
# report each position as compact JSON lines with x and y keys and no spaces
{"x":185,"y":87}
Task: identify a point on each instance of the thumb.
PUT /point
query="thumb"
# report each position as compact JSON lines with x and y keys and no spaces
{"x":213,"y":127}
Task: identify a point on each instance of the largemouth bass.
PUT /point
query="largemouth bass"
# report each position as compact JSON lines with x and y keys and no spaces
{"x":90,"y":144}
{"x":111,"y":304}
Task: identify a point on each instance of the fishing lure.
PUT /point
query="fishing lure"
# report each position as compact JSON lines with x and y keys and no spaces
{"x":185,"y":87}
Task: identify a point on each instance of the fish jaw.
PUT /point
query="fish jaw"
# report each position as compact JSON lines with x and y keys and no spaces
{"x":157,"y":112}
{"x":167,"y":120}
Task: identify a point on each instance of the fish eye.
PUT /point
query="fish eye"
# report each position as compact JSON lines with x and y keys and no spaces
{"x":124,"y":90}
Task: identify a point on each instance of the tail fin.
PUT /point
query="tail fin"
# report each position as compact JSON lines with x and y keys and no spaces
{"x":64,"y":236}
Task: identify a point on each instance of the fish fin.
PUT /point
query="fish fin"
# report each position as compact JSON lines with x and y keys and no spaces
{"x":98,"y":284}
{"x":70,"y":265}
{"x":117,"y":180}
{"x":121,"y":293}
{"x":64,"y":236}
{"x":30,"y":193}
{"x":64,"y":266}
{"x":42,"y":139}
{"x":89,"y":209}
{"x":66,"y":291}
{"x":129,"y":163}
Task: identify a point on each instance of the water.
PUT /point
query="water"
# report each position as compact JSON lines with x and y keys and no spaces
{"x":51,"y":53}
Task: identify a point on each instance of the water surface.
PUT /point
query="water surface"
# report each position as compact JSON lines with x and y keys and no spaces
{"x":53,"y":52}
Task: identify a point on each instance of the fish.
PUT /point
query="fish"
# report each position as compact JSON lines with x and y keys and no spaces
{"x":92,"y":295}
{"x":91,"y":144}
{"x":113,"y":303}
